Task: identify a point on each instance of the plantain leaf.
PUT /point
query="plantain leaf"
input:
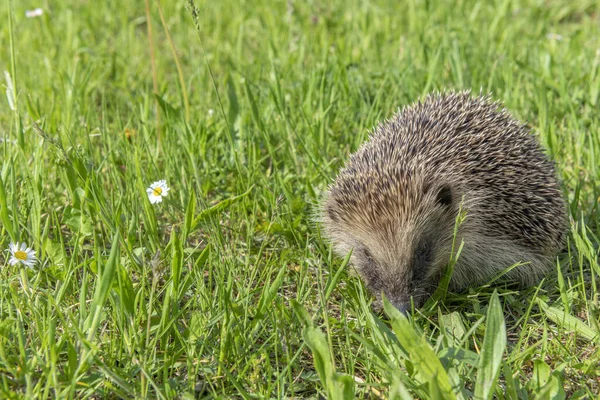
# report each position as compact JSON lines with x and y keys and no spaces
{"x":338,"y":386}
{"x":421,"y":355}
{"x":494,"y":344}
{"x":567,"y":321}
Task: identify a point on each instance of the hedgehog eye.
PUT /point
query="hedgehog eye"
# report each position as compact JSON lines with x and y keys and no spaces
{"x":368,"y":270}
{"x":375,"y":286}
{"x":444,"y":196}
{"x":373,"y":282}
{"x":368,"y":259}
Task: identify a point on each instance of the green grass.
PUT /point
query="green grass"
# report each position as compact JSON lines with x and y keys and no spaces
{"x":227,"y":288}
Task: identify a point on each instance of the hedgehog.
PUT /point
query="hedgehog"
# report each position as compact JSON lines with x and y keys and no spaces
{"x":395,"y":203}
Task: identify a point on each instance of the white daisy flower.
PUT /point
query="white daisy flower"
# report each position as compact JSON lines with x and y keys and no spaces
{"x":157,"y":191}
{"x":22,"y":254}
{"x":554,"y":36}
{"x":3,"y":140}
{"x":38,"y":12}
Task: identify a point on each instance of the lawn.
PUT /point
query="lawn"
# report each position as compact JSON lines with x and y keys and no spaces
{"x":247,"y":109}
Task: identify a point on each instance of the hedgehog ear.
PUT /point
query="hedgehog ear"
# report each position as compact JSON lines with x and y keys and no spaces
{"x":444,"y":195}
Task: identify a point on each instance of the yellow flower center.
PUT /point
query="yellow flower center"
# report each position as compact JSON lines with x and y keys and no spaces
{"x":157,"y":191}
{"x":20,"y":255}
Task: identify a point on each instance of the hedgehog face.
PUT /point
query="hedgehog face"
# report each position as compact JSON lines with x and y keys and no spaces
{"x":401,"y":245}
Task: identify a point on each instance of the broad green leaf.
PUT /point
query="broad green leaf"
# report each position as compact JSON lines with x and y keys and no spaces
{"x":398,"y":391}
{"x":553,"y":389}
{"x":422,"y":356}
{"x":55,"y":252}
{"x":548,"y":384}
{"x":124,"y":291}
{"x":492,"y":351}
{"x":343,"y":387}
{"x":567,"y":321}
{"x":541,"y":373}
{"x":302,"y":314}
{"x":511,"y":385}
{"x":460,"y":354}
{"x":453,"y":326}
{"x":338,"y":386}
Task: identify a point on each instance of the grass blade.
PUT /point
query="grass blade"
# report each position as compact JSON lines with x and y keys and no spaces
{"x":103,"y":286}
{"x":217,"y":208}
{"x":5,"y":216}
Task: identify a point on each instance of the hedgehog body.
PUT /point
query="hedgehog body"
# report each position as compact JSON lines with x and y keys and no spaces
{"x":395,"y":202}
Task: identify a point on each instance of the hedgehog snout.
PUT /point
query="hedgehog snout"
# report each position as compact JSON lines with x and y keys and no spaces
{"x":402,"y":303}
{"x":404,"y":307}
{"x":406,"y":298}
{"x":398,"y":288}
{"x":409,"y":284}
